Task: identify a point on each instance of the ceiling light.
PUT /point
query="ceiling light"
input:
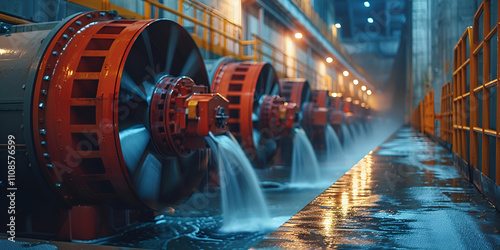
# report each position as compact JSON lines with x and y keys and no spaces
{"x":369,"y":92}
{"x":363,"y":87}
{"x":346,"y":73}
{"x":298,"y":35}
{"x":329,"y":60}
{"x":338,"y":26}
{"x":367,"y":4}
{"x":370,"y":20}
{"x":355,"y":81}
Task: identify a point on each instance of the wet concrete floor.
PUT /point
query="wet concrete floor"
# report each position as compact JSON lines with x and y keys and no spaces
{"x":404,"y":194}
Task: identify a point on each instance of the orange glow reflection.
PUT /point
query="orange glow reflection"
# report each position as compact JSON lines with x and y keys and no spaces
{"x":352,"y":198}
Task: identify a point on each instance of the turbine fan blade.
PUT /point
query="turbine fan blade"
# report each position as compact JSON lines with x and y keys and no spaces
{"x":133,"y":142}
{"x":269,"y":81}
{"x":171,"y":179}
{"x":191,"y":66}
{"x":149,"y":52}
{"x":147,"y":179}
{"x":128,"y":84}
{"x":171,"y":49}
{"x":149,"y":88}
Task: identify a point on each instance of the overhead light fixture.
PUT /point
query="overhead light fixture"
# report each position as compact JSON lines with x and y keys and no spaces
{"x":367,"y":4}
{"x":346,"y":73}
{"x":298,"y":35}
{"x":334,"y":94}
{"x":329,"y":60}
{"x":369,"y":92}
{"x":338,"y":26}
{"x":355,"y":81}
{"x":370,"y":20}
{"x":363,"y":87}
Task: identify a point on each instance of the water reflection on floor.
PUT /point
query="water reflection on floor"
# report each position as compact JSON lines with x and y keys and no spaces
{"x":196,"y":223}
{"x":405,"y":194}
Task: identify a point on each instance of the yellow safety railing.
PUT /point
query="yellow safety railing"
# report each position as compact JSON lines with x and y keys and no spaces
{"x":461,"y":96}
{"x":286,"y":65}
{"x":216,"y":33}
{"x":417,"y":117}
{"x":423,"y":116}
{"x":475,"y":99}
{"x":429,"y":116}
{"x":210,"y":29}
{"x":484,"y":140}
{"x":446,"y":116}
{"x":12,"y":20}
{"x":306,"y":8}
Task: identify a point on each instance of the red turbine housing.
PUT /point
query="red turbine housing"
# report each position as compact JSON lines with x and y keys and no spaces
{"x":335,"y":111}
{"x":316,"y":112}
{"x":277,"y":117}
{"x":348,"y":110}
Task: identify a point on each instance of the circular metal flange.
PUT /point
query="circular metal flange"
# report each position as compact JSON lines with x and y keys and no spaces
{"x":169,"y":140}
{"x":277,"y":117}
{"x":267,"y":118}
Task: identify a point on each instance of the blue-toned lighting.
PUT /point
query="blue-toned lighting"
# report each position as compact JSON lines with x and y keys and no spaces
{"x":367,"y":4}
{"x":370,"y":20}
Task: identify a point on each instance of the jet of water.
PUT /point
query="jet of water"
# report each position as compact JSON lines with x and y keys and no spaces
{"x":346,"y":137}
{"x":334,"y":151}
{"x":243,"y":205}
{"x":305,"y":167}
{"x":361,"y":131}
{"x":354,"y":134}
